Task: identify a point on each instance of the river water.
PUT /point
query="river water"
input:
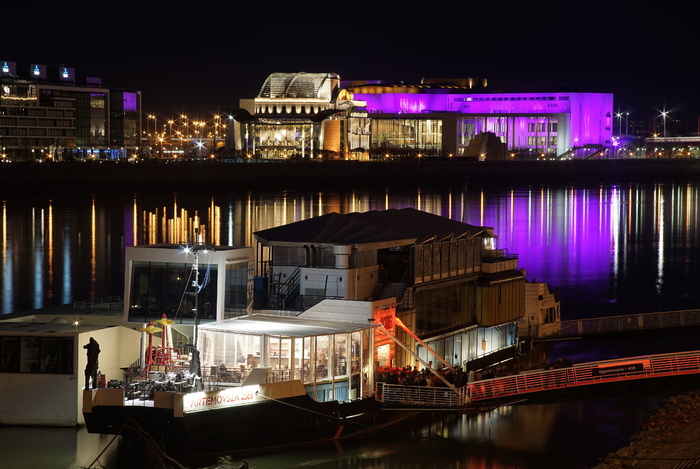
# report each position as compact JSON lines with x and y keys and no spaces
{"x":609,"y":249}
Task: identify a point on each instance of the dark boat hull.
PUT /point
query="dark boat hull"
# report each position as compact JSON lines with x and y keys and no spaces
{"x":244,"y":430}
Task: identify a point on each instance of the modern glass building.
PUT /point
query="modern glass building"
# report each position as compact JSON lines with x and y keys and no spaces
{"x":312,"y":115}
{"x":177,"y":280}
{"x":46,"y":112}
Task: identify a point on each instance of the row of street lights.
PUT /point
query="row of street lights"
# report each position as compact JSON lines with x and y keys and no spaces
{"x":626,"y":115}
{"x":197,"y":131}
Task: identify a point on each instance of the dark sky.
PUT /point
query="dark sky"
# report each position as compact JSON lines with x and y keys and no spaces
{"x":204,"y":57}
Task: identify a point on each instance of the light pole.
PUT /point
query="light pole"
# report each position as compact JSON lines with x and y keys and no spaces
{"x":664,"y":114}
{"x":155,"y":129}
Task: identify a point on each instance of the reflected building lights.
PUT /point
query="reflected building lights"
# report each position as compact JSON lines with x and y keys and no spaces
{"x":93,"y":250}
{"x":66,"y":261}
{"x":49,"y":251}
{"x":615,"y":234}
{"x":37,"y":258}
{"x":7,"y":266}
{"x":659,"y":223}
{"x":559,"y":234}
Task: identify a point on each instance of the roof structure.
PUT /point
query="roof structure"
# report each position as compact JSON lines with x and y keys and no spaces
{"x":297,"y":85}
{"x":280,"y":326}
{"x":377,"y":228}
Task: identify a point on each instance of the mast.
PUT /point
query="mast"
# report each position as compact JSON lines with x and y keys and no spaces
{"x":195,"y":364}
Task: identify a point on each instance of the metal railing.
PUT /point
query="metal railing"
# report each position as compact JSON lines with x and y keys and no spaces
{"x":420,"y":396}
{"x":101,"y":303}
{"x":584,"y":374}
{"x":623,"y":323}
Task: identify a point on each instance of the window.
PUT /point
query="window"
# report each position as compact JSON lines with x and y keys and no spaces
{"x":160,"y":287}
{"x":236,"y":293}
{"x":36,"y":355}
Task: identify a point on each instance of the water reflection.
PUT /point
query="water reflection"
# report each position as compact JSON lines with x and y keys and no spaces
{"x":597,"y":245}
{"x":554,"y":436}
{"x":609,"y":249}
{"x":54,"y":448}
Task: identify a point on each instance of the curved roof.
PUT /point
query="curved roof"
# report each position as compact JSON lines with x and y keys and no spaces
{"x":297,"y":85}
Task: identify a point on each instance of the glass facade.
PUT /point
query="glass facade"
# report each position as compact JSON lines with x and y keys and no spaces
{"x":278,"y":141}
{"x":405,"y":137}
{"x":330,"y":366}
{"x":164,"y":287}
{"x":236,"y":299}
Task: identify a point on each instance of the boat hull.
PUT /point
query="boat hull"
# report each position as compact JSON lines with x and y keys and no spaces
{"x":243,"y":430}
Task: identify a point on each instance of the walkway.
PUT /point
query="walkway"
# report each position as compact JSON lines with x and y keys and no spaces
{"x":520,"y":385}
{"x":614,"y":324}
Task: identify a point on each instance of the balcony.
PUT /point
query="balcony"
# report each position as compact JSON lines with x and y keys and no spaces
{"x":498,"y":260}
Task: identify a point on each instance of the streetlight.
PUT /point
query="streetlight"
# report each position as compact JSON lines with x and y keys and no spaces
{"x":619,"y":123}
{"x":664,"y":114}
{"x":155,"y":129}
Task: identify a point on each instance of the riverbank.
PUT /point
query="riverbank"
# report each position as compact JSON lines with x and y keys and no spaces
{"x":670,"y":438}
{"x":159,"y":175}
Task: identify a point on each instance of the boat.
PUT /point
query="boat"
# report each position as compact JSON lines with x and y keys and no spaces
{"x":299,"y":369}
{"x":297,"y":381}
{"x":194,"y":418}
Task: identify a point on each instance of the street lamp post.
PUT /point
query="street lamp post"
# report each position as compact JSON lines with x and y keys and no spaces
{"x":664,"y":114}
{"x":153,"y":138}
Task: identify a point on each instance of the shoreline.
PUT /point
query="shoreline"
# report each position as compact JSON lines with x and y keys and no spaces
{"x":158,"y":175}
{"x":670,"y":437}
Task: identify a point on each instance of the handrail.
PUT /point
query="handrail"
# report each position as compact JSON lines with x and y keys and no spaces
{"x":286,"y":291}
{"x":621,"y":369}
{"x":100,"y":301}
{"x":583,"y":374}
{"x":622,"y":323}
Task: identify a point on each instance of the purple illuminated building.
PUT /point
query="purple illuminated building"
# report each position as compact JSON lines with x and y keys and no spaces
{"x":311,"y":115}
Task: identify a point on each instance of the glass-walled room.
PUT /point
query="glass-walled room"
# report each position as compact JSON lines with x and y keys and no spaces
{"x":335,"y":366}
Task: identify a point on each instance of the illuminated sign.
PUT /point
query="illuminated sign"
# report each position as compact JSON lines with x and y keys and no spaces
{"x":36,"y":71}
{"x":5,"y":68}
{"x":231,"y":397}
{"x":385,"y":317}
{"x":619,"y":368}
{"x":65,"y":72}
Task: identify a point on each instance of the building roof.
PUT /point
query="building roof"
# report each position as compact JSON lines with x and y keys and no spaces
{"x":386,"y":228}
{"x":280,"y":326}
{"x":296,"y":85}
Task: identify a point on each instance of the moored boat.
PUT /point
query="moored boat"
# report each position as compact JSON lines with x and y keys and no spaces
{"x":322,"y":392}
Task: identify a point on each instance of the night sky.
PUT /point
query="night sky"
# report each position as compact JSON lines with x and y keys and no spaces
{"x":204,"y":57}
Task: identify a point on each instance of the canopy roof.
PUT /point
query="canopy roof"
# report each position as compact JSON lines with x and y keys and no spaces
{"x":388,"y":227}
{"x":280,"y":326}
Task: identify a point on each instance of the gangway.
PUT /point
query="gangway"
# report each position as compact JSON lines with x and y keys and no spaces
{"x":615,"y":324}
{"x":523,"y":384}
